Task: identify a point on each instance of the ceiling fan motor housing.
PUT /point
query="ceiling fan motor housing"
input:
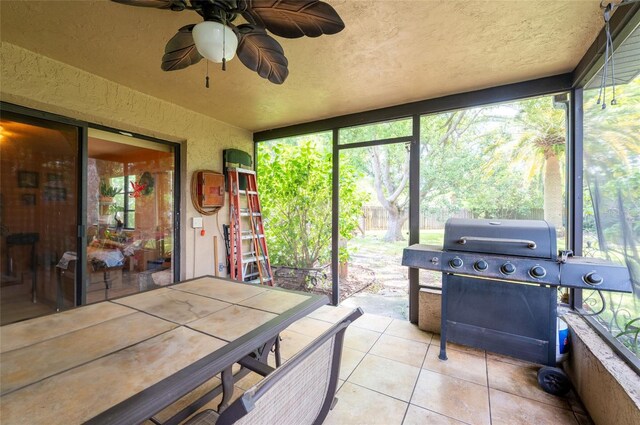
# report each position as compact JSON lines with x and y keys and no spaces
{"x":215,"y":41}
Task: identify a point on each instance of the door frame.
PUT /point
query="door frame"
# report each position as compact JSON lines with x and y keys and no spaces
{"x":335,"y":198}
{"x":81,"y":169}
{"x":175,"y":255}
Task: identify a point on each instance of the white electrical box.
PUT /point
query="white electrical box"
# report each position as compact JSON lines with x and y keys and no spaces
{"x":196,"y":222}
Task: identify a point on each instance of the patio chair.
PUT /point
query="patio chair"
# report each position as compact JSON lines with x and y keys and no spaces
{"x":300,"y":392}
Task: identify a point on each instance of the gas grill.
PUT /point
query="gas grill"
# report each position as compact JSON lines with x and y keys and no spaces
{"x":500,"y":281}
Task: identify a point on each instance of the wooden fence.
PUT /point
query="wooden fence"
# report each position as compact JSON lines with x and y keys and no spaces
{"x":376,"y":218}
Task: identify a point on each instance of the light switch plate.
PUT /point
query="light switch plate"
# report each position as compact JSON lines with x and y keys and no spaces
{"x":196,"y":222}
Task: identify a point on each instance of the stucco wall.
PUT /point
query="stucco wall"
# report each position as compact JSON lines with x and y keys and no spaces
{"x":32,"y":80}
{"x":609,"y":389}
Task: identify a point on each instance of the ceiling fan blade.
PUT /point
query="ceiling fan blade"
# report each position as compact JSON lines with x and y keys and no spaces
{"x":293,"y":18}
{"x":176,"y":5}
{"x":180,"y":51}
{"x":260,"y":52}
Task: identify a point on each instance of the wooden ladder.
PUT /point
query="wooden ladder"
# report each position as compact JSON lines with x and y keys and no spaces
{"x":248,"y":253}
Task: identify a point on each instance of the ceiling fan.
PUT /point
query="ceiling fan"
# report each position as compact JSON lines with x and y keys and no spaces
{"x":218,"y":39}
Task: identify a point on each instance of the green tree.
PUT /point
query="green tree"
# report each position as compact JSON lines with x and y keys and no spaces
{"x":390,"y":171}
{"x":453,"y":167}
{"x":459,"y":172}
{"x":539,"y":143}
{"x":295,"y":182}
{"x":387,"y":166}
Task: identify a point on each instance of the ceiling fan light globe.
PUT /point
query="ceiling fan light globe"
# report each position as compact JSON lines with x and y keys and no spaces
{"x":214,"y":38}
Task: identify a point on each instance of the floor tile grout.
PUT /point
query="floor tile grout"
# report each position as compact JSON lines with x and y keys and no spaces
{"x":393,"y":360}
{"x":365,"y":355}
{"x":531,"y":399}
{"x":415,"y":384}
{"x":378,"y":392}
{"x":566,"y":406}
{"x":524,"y":396}
{"x":452,"y":376}
{"x":486,"y":369}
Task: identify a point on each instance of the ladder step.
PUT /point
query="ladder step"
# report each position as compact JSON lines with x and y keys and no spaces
{"x":242,"y":171}
{"x":250,"y":192}
{"x":254,"y":259}
{"x":251,"y":274}
{"x":244,"y":238}
{"x":246,"y":214}
{"x":268,"y":279}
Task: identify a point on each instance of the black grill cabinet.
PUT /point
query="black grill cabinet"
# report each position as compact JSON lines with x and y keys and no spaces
{"x":500,"y":281}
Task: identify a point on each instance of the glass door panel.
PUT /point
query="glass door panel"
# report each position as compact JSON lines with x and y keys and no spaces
{"x":130,"y":212}
{"x":38,"y":216}
{"x":374,"y":226}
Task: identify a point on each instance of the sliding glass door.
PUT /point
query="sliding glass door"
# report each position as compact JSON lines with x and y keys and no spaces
{"x":85,"y":214}
{"x":38,"y":216}
{"x":130,"y":215}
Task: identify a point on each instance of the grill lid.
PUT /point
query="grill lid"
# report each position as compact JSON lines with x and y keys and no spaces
{"x":523,"y":238}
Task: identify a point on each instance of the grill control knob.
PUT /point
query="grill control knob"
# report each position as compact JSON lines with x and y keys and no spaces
{"x":593,"y":279}
{"x":508,"y":268}
{"x":481,"y":265}
{"x":537,"y":272}
{"x":456,"y":262}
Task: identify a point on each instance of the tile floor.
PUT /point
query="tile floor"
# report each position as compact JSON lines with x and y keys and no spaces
{"x":390,"y":374}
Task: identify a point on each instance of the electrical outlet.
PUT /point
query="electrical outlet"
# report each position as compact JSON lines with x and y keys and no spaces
{"x":196,"y":222}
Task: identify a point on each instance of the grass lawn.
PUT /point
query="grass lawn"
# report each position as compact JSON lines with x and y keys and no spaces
{"x":373,"y":241}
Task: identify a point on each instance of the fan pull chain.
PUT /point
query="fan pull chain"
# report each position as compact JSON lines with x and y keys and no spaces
{"x":613,"y":67}
{"x":206,"y":79}
{"x":224,"y":44}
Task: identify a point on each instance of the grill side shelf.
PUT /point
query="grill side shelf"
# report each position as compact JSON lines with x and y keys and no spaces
{"x":422,"y":257}
{"x":576,"y":273}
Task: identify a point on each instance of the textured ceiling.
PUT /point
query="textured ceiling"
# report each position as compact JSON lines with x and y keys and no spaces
{"x":391,"y":52}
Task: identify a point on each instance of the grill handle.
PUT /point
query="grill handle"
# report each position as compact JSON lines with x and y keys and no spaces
{"x":530,"y":244}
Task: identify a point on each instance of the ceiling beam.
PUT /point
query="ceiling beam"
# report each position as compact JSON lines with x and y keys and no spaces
{"x":538,"y":87}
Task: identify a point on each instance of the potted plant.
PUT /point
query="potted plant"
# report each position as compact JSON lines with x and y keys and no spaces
{"x":107,"y":192}
{"x":343,"y":261}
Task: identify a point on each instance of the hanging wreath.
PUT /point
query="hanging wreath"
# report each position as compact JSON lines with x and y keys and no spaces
{"x":147,"y":180}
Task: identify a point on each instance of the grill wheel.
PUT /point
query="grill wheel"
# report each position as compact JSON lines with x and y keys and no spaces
{"x":553,"y":380}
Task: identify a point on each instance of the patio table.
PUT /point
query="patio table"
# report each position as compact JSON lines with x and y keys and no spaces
{"x":124,"y":360}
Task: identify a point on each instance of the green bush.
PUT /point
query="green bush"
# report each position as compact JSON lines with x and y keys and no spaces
{"x":295,"y":183}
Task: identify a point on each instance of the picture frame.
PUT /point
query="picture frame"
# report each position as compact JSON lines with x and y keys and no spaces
{"x":28,"y":179}
{"x":54,"y":180}
{"x":54,"y":194}
{"x":55,"y":177}
{"x":28,"y":199}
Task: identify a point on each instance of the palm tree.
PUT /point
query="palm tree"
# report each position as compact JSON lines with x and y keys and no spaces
{"x":540,"y":147}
